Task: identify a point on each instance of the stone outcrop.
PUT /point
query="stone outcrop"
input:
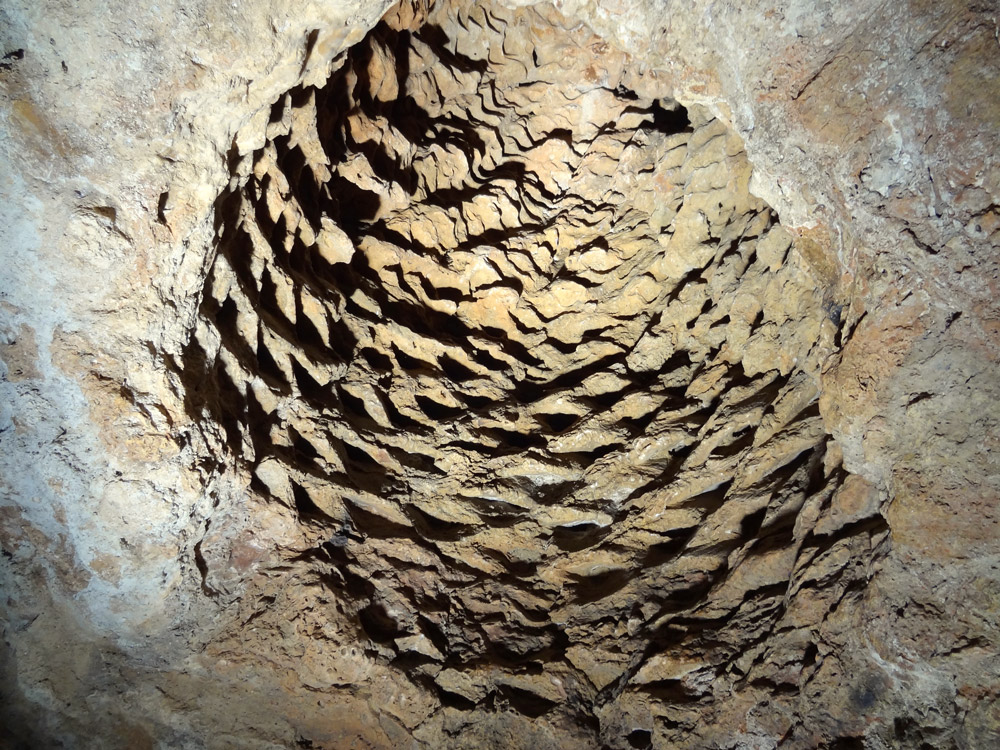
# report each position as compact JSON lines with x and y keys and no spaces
{"x":499,"y":375}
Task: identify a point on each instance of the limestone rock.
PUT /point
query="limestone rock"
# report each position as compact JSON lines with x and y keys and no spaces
{"x":499,"y":374}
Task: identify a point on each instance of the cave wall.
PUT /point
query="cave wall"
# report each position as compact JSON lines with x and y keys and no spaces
{"x":869,"y":128}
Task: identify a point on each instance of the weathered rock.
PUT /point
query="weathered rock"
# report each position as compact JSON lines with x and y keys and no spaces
{"x":451,"y":381}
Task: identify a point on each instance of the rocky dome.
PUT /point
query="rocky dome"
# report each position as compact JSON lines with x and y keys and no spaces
{"x":500,"y":374}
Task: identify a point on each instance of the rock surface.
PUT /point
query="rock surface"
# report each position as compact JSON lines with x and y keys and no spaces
{"x":500,"y":375}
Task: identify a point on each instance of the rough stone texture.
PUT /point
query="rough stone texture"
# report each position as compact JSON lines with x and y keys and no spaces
{"x":500,"y":381}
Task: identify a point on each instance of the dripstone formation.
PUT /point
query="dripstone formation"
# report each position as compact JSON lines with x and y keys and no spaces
{"x":503,"y":327}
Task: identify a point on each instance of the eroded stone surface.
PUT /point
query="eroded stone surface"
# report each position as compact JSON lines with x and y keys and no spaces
{"x":537,"y":376}
{"x":536,"y":449}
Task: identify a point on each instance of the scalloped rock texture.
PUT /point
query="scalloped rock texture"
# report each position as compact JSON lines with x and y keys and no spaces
{"x":497,"y":374}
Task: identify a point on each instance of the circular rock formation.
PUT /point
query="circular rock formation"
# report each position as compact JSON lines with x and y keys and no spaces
{"x":501,"y":325}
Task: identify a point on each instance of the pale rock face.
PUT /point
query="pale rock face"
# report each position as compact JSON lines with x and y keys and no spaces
{"x":499,"y":375}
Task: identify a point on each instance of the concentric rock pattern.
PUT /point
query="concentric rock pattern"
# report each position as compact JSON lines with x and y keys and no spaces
{"x":504,"y":326}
